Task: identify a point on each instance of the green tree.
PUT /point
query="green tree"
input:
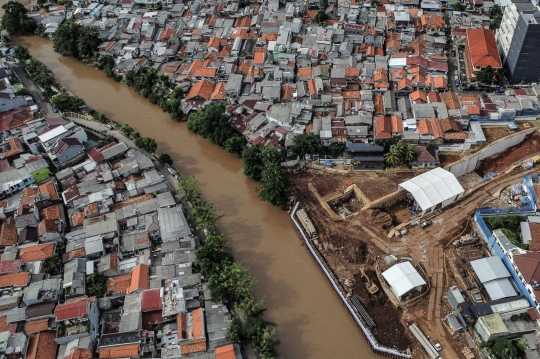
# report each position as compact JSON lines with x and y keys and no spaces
{"x":231,"y":281}
{"x":6,"y":40}
{"x":206,"y":216}
{"x":501,"y":348}
{"x":65,"y":102}
{"x":96,"y":284}
{"x":53,"y":265}
{"x":129,"y":78}
{"x":276,"y":187}
{"x":87,"y":43}
{"x":66,"y":37}
{"x":306,"y":144}
{"x":15,"y":19}
{"x":335,"y":149}
{"x":410,"y":153}
{"x":236,"y":144}
{"x":165,"y":159}
{"x":457,"y":7}
{"x":253,"y":162}
{"x":486,"y":75}
{"x":212,"y":255}
{"x":321,"y":17}
{"x":212,"y":123}
{"x":21,"y":53}
{"x":512,"y":220}
{"x":105,"y":60}
{"x":495,"y":13}
{"x":190,"y":187}
{"x":392,"y":157}
{"x":146,"y":143}
{"x":495,"y":222}
{"x":126,"y":129}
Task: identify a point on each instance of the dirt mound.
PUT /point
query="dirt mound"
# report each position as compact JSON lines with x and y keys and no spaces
{"x":379,"y":219}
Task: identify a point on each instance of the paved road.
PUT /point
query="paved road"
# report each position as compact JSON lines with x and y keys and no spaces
{"x":44,"y":106}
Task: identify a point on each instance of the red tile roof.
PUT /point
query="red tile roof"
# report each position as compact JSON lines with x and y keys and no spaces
{"x":36,"y":252}
{"x":8,"y":232}
{"x":482,"y":48}
{"x":203,"y":89}
{"x":11,"y":266}
{"x":151,"y":300}
{"x":120,"y":351}
{"x":16,"y":280}
{"x":383,"y":127}
{"x":42,"y":345}
{"x":225,"y":352}
{"x":119,"y":285}
{"x":397,"y":124}
{"x":259,"y":57}
{"x":74,"y":308}
{"x":219,"y":92}
{"x":37,"y":326}
{"x":205,"y":72}
{"x":213,"y":42}
{"x":51,"y":212}
{"x":529,"y":266}
{"x":49,"y":187}
{"x":419,"y":95}
{"x":431,"y":126}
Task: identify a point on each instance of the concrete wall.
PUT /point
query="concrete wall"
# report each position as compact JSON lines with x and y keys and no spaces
{"x":469,"y":163}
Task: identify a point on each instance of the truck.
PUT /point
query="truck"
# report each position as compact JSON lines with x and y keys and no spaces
{"x":428,"y":346}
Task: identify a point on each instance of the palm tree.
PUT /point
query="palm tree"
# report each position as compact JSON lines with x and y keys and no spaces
{"x":6,"y":40}
{"x":400,"y":150}
{"x":392,"y":157}
{"x":410,"y":153}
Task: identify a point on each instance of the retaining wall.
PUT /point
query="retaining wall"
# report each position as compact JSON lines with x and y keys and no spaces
{"x":375,"y":346}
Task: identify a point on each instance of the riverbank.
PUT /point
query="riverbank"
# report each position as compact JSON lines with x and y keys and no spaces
{"x":261,"y":236}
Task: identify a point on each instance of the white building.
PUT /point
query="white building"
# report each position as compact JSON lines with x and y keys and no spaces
{"x":403,"y":279}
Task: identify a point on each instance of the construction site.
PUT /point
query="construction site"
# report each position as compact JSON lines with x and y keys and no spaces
{"x":365,"y":224}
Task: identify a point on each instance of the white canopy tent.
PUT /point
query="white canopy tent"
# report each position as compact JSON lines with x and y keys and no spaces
{"x":403,"y":278}
{"x":432,"y":188}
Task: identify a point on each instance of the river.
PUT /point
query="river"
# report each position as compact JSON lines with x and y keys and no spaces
{"x":312,"y":322}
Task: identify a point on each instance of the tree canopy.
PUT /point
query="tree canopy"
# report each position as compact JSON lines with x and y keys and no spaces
{"x":65,"y":102}
{"x":486,"y":75}
{"x":495,"y":13}
{"x":501,"y":348}
{"x":276,"y":185}
{"x":320,"y":17}
{"x":212,"y":123}
{"x":165,"y":159}
{"x":306,"y":144}
{"x":400,"y":154}
{"x":15,"y":19}
{"x":96,"y":284}
{"x":72,"y":39}
{"x":146,"y":143}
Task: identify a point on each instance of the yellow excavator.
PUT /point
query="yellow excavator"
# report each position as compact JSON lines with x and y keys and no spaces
{"x":370,"y":286}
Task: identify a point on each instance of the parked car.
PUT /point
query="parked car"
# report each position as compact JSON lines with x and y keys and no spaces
{"x":453,"y":53}
{"x":436,"y":345}
{"x":55,"y":110}
{"x":425,"y":223}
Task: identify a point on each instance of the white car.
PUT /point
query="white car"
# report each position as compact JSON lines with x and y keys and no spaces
{"x":437,"y":346}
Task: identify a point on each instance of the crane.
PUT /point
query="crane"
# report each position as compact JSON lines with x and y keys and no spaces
{"x":370,"y":286}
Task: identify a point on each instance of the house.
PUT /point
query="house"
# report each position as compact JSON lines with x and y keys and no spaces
{"x":426,"y":156}
{"x":202,"y":90}
{"x":42,"y":345}
{"x":430,"y":131}
{"x":50,"y":230}
{"x":481,"y":52}
{"x":191,"y":332}
{"x":38,"y":252}
{"x":388,"y":127}
{"x":366,"y":155}
{"x":75,"y":278}
{"x":77,"y":318}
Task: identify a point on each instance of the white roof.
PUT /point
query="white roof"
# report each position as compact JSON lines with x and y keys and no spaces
{"x":397,"y":62}
{"x":402,"y":277}
{"x":432,"y":188}
{"x":500,"y":288}
{"x":490,"y":268}
{"x":49,"y":135}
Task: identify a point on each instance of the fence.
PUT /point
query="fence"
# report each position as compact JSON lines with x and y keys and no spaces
{"x":375,"y":347}
{"x":494,"y":248}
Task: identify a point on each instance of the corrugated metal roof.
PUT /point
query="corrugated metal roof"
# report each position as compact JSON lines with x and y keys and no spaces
{"x":490,"y":268}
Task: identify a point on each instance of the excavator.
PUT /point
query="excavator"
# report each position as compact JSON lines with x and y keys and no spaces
{"x":370,"y":286}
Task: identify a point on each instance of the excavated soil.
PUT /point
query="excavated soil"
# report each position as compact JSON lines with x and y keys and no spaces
{"x":502,"y":161}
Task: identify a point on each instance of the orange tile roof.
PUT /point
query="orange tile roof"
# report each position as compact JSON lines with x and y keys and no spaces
{"x":482,"y":49}
{"x":110,"y":45}
{"x":312,"y":89}
{"x":378,"y":104}
{"x":78,"y":353}
{"x":42,"y":345}
{"x":49,"y":187}
{"x":433,"y":96}
{"x":132,"y":200}
{"x":36,"y":252}
{"x":139,"y":278}
{"x":287,"y":92}
{"x":351,"y":94}
{"x":120,"y":351}
{"x":397,"y":124}
{"x":37,"y":326}
{"x":451,"y":100}
{"x":352,"y":71}
{"x":20,"y":279}
{"x":242,"y":22}
{"x":225,"y":352}
{"x":213,"y":42}
{"x":398,"y":74}
{"x":181,"y":322}
{"x":435,"y":22}
{"x":259,"y":57}
{"x":119,"y":285}
{"x":166,"y":34}
{"x":203,"y":89}
{"x":305,"y":71}
{"x":52,"y":212}
{"x":219,"y":92}
{"x":404,"y":83}
{"x":196,"y":347}
{"x":418,"y":95}
{"x":430,"y":126}
{"x":205,"y":72}
{"x":448,"y":124}
{"x":197,"y":322}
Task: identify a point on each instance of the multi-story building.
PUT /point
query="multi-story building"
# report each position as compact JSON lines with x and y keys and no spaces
{"x":518,"y":41}
{"x":481,"y":52}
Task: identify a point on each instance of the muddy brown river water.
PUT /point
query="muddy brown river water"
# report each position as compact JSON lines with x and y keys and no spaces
{"x":312,"y":322}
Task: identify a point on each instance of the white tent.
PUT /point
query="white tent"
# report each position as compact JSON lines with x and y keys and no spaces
{"x":432,"y":188}
{"x":403,"y":278}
